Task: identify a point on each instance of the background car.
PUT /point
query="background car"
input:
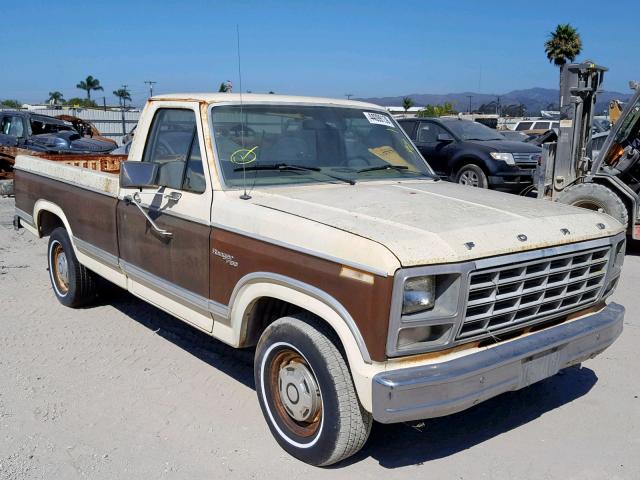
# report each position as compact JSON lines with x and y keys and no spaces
{"x":513,"y":136}
{"x":472,"y":154}
{"x":41,"y":133}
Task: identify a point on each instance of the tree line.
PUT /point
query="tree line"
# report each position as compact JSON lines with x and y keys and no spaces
{"x":89,"y":84}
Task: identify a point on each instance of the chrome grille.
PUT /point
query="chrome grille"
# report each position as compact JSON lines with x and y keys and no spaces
{"x":526,"y":159}
{"x":514,"y":294}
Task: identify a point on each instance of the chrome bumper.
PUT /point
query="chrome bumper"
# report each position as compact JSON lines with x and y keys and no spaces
{"x":440,"y":389}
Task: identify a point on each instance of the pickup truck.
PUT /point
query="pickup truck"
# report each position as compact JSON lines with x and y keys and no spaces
{"x":313,"y":230}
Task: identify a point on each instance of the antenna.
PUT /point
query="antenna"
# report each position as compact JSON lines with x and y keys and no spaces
{"x":244,"y":196}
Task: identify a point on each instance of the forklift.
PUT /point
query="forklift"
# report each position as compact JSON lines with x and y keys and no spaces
{"x":569,"y":174}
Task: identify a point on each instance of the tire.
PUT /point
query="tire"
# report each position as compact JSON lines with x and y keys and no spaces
{"x":472,"y":176}
{"x":330,"y":425}
{"x":594,"y":196}
{"x":73,"y":284}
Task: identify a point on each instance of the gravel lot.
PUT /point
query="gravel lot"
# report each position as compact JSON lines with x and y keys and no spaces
{"x":122,"y":390}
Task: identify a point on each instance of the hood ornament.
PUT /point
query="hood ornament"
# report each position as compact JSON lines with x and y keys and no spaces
{"x":601,"y":226}
{"x":522,"y":237}
{"x":565,"y":231}
{"x":469,"y":245}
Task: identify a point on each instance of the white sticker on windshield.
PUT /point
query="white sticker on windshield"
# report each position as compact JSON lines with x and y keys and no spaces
{"x":378,"y":119}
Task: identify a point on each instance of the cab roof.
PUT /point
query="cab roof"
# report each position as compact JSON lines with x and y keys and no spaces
{"x":263,"y":98}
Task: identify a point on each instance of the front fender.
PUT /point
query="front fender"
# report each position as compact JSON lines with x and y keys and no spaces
{"x":307,"y":297}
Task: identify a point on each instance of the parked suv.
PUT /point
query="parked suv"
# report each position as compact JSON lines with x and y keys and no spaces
{"x":472,"y":154}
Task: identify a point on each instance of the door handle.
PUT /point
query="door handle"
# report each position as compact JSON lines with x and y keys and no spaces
{"x":135,"y":199}
{"x":173,"y":196}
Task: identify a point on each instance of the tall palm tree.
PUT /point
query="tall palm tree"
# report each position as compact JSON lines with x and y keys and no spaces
{"x":407,"y":103}
{"x":563,"y":44}
{"x":56,"y":97}
{"x":89,"y":84}
{"x":123,"y":95}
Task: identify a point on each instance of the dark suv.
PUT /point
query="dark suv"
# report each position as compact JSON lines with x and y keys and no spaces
{"x":470,"y":153}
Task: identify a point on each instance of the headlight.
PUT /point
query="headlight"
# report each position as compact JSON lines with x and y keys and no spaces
{"x":505,"y":157}
{"x":418,"y":295}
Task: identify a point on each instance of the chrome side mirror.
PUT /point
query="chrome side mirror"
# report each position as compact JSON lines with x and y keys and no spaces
{"x":138,"y":174}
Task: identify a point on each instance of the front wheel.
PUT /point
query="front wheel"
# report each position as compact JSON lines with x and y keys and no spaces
{"x":306,"y":393}
{"x":472,"y":176}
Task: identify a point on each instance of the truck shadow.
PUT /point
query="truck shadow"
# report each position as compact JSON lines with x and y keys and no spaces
{"x":237,"y":363}
{"x":395,"y":445}
{"x":402,"y":445}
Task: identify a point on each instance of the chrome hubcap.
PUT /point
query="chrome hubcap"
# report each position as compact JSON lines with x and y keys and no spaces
{"x":62,"y":268}
{"x":299,"y":392}
{"x":469,"y":178}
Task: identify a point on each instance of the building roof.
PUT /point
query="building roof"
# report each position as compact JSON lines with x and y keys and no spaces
{"x":263,"y":98}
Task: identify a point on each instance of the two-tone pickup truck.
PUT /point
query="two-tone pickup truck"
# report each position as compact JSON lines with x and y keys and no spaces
{"x":313,"y":230}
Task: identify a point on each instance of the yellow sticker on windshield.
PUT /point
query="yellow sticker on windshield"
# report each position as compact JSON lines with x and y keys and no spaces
{"x":389,"y":155}
{"x":244,"y":156}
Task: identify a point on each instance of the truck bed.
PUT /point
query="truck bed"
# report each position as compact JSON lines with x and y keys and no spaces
{"x":87,"y":198}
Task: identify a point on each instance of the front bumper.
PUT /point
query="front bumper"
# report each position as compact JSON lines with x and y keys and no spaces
{"x":511,"y":177}
{"x":448,"y":387}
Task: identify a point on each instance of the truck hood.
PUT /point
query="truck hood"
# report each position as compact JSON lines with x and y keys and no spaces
{"x":426,"y":222}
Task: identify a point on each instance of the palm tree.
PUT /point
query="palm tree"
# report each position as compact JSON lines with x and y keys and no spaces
{"x":123,"y":95}
{"x":89,"y":84}
{"x":564,"y":44}
{"x":55,"y":97}
{"x":407,"y":103}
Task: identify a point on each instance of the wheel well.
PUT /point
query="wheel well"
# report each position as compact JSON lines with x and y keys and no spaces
{"x":48,"y":222}
{"x":266,"y":310}
{"x":461,"y":162}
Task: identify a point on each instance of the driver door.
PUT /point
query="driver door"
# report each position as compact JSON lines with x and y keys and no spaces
{"x":434,"y":152}
{"x":169,"y":266}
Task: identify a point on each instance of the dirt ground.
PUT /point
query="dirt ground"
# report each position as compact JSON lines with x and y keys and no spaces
{"x":122,"y":390}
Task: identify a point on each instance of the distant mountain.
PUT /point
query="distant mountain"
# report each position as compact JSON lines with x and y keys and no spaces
{"x":534,"y":99}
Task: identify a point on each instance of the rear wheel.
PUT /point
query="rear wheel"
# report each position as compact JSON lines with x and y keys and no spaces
{"x":594,"y":196}
{"x":73,"y":284}
{"x":472,"y":176}
{"x":306,"y":393}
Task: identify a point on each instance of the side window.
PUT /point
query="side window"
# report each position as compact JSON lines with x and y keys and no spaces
{"x":409,"y":128}
{"x":12,"y":126}
{"x":428,"y":132}
{"x":523,"y":126}
{"x":541,"y":126}
{"x":173,"y":145}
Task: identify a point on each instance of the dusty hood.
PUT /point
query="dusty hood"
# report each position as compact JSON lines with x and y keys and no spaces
{"x":426,"y":222}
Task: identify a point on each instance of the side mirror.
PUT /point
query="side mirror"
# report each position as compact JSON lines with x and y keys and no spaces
{"x":138,"y":175}
{"x":444,"y":138}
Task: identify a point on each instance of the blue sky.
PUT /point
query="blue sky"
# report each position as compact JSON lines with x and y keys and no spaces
{"x":328,"y":48}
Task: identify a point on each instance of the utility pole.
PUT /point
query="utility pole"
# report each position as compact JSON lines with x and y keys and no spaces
{"x":498,"y":107}
{"x":151,"y":83}
{"x":470,"y":97}
{"x":104,"y":103}
{"x":124,"y":125}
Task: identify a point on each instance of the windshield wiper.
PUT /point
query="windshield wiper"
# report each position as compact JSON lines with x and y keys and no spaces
{"x":295,"y":168}
{"x":401,"y":168}
{"x":383,"y":167}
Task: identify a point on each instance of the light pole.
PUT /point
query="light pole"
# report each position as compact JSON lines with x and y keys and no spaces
{"x":151,"y":83}
{"x":469,"y":97}
{"x":348,"y":95}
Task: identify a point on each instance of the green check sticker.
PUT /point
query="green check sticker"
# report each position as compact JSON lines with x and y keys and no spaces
{"x":244,"y":156}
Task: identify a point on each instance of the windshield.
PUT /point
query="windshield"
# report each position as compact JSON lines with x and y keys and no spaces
{"x":469,"y":130}
{"x":284,"y":144}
